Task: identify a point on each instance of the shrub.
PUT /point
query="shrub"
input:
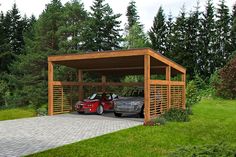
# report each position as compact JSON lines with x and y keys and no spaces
{"x":192,"y":94}
{"x":226,"y":88}
{"x":175,"y":114}
{"x":156,"y":122}
{"x":43,"y":110}
{"x":221,"y":149}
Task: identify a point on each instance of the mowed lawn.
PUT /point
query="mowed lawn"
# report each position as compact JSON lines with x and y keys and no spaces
{"x":214,"y":121}
{"x":16,"y":113}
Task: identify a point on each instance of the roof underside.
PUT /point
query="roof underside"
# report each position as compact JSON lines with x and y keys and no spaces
{"x":124,"y":62}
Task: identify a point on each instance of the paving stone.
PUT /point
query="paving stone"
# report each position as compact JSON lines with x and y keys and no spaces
{"x":30,"y":135}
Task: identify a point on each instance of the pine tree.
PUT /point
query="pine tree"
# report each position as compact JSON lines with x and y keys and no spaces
{"x":222,"y":30}
{"x":16,"y":31}
{"x":179,"y":39}
{"x":47,"y":26}
{"x":132,"y":14}
{"x":192,"y":40}
{"x":233,"y":29}
{"x":169,"y":35}
{"x":103,"y":27}
{"x":136,"y":38}
{"x":207,"y":55}
{"x":158,"y":32}
{"x":74,"y":16}
{"x":12,"y":42}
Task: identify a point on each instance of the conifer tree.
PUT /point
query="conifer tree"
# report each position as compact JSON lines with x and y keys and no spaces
{"x":47,"y":26}
{"x":70,"y":32}
{"x":132,"y":14}
{"x":223,"y":35}
{"x":102,"y":30}
{"x":207,"y":55}
{"x":233,"y":29}
{"x":158,"y":32}
{"x":179,"y":39}
{"x":192,"y":40}
{"x":169,"y":34}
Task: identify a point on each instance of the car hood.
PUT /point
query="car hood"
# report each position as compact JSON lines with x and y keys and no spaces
{"x":90,"y":101}
{"x":133,"y":99}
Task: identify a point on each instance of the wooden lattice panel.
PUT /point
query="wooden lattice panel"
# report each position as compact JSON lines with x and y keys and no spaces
{"x":158,"y":99}
{"x":177,"y":96}
{"x":62,"y":99}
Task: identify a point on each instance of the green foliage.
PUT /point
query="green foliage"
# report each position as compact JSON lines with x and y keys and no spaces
{"x":102,"y":29}
{"x":70,"y":32}
{"x":177,"y":115}
{"x":226,"y":87}
{"x":132,"y":15}
{"x":192,"y":94}
{"x":135,"y":38}
{"x":207,"y":39}
{"x":156,"y":121}
{"x":219,"y":149}
{"x":158,"y":32}
{"x":42,"y":110}
{"x":28,"y":80}
{"x":4,"y":93}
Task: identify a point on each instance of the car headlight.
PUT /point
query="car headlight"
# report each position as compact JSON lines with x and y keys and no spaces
{"x":89,"y":105}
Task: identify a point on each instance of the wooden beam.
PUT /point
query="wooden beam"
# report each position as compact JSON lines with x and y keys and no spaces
{"x":165,"y":82}
{"x":50,"y":88}
{"x":183,"y":78}
{"x":104,"y":80}
{"x":147,"y":88}
{"x":96,"y":55}
{"x":168,"y":81}
{"x":98,"y":83}
{"x":80,"y":79}
{"x":125,"y":68}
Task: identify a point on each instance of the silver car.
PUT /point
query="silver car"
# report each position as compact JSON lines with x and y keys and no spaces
{"x":130,"y":105}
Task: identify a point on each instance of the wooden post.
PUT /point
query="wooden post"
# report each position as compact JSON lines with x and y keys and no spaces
{"x":168,"y":78}
{"x":183,"y":79}
{"x":146,"y":88}
{"x":103,"y":82}
{"x":80,"y":79}
{"x":50,"y":88}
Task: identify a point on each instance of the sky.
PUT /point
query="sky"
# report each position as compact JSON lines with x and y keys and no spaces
{"x":147,"y":9}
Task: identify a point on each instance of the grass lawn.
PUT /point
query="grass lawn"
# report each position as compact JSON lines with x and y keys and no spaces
{"x":214,"y":121}
{"x":16,"y":113}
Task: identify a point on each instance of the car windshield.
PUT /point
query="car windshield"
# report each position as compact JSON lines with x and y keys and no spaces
{"x":104,"y":96}
{"x":95,"y":96}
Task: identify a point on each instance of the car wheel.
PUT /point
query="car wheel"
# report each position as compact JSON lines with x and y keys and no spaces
{"x":100,"y":109}
{"x":141,"y":114}
{"x":117,"y":114}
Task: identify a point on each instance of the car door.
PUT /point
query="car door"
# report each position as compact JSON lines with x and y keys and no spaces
{"x":108,"y":102}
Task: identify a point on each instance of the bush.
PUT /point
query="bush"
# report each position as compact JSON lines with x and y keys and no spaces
{"x":156,"y":122}
{"x":177,"y":115}
{"x":221,"y":149}
{"x":43,"y":110}
{"x":226,"y":88}
{"x":192,"y":94}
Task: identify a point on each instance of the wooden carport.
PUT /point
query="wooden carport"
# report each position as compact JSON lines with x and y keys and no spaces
{"x":121,"y":62}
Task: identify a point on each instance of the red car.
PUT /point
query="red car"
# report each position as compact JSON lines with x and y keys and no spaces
{"x":96,"y":103}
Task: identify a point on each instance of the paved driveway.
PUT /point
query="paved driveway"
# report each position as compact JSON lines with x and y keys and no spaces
{"x":30,"y":135}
